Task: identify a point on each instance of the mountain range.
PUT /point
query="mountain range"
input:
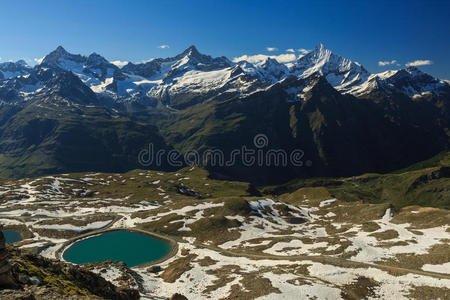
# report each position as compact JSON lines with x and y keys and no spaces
{"x":75,"y":113}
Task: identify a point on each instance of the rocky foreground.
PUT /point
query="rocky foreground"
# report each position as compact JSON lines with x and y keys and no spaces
{"x":29,"y":276}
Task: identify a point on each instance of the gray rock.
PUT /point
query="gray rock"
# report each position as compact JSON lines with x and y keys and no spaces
{"x":22,"y":278}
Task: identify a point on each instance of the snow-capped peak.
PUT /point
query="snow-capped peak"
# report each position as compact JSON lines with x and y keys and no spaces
{"x":269,"y":70}
{"x":14,"y":69}
{"x":93,"y":70}
{"x":193,"y":59}
{"x":341,"y":72}
{"x":410,"y":81}
{"x":22,"y":63}
{"x":193,"y":73}
{"x":95,"y":59}
{"x":60,"y":58}
{"x":350,"y":77}
{"x":191,"y":51}
{"x":321,"y":60}
{"x":166,"y":68}
{"x":321,"y":51}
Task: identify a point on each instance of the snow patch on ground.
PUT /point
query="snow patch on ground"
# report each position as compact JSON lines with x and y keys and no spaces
{"x":442,"y":268}
{"x":91,"y":226}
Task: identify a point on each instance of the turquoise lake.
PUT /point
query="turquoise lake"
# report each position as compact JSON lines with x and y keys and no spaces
{"x":12,"y":236}
{"x":132,"y":248}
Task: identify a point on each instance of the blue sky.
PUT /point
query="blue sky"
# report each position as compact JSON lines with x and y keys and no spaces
{"x":364,"y":31}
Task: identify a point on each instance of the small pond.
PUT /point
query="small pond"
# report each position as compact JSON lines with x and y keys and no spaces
{"x":12,"y":236}
{"x":132,"y":248}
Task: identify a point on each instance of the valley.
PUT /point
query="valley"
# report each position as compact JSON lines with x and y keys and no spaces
{"x":236,"y":241}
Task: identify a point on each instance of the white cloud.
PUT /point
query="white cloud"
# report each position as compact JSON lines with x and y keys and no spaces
{"x":251,"y":58}
{"x":386,"y":63}
{"x":39,"y":60}
{"x":164,"y":47}
{"x":419,"y":62}
{"x":290,"y":50}
{"x":271,"y":49}
{"x":119,"y":63}
{"x":304,"y":51}
{"x":282,"y":58}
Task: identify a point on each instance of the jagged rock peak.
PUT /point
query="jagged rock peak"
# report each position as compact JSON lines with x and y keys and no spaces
{"x":96,"y":59}
{"x":191,"y":50}
{"x":54,"y":57}
{"x":22,"y":63}
{"x":60,"y":49}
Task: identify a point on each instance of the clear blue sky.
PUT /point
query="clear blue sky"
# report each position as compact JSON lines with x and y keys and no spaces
{"x":364,"y":31}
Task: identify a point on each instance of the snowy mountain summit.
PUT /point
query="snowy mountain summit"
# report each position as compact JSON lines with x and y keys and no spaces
{"x":341,"y":72}
{"x":13,"y":69}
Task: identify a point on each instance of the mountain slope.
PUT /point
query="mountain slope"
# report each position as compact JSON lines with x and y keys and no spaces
{"x":58,"y":133}
{"x":339,"y":134}
{"x":81,"y":113}
{"x":424,"y":184}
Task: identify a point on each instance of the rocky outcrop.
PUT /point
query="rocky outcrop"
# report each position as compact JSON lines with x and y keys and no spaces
{"x":442,"y":172}
{"x":177,"y":296}
{"x":184,"y":190}
{"x":6,"y":278}
{"x":30,"y":276}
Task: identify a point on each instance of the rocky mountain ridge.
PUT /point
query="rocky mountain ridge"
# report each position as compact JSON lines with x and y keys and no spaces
{"x":191,"y":74}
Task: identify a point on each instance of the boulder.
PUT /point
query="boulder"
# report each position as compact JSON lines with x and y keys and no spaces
{"x":177,"y":296}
